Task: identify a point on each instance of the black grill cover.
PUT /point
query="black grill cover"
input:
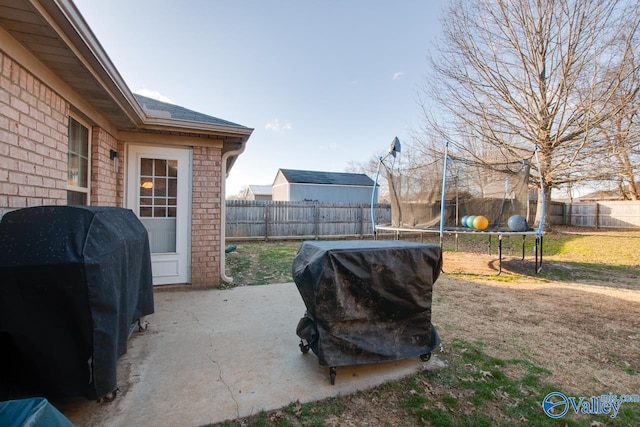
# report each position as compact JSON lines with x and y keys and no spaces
{"x":72,"y":282}
{"x":370,"y":301}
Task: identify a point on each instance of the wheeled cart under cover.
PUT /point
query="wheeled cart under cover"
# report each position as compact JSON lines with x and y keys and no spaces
{"x":73,"y":281}
{"x":366,"y":301}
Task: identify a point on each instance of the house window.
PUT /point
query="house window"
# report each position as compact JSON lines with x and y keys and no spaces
{"x":78,"y":164}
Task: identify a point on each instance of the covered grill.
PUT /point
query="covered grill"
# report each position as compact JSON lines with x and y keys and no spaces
{"x":73,"y":281}
{"x":366,"y":301}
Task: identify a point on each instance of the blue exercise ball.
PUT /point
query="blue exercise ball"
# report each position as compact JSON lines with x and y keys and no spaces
{"x":470,"y":220}
{"x":517,"y":223}
{"x":463,"y":221}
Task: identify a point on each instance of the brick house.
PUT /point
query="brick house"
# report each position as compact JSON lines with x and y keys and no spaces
{"x":71,"y":132}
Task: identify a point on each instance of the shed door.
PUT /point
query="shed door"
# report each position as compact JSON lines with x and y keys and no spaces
{"x":158,"y":192}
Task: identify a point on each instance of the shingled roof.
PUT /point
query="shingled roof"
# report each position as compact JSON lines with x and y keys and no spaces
{"x":331,"y":178}
{"x":263,"y":190}
{"x":154,"y":108}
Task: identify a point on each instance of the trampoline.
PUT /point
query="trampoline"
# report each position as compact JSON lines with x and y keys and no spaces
{"x":438,"y":198}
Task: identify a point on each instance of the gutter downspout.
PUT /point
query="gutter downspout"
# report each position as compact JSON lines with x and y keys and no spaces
{"x":223,"y":210}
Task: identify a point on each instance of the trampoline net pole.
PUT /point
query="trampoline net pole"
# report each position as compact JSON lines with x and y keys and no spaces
{"x":373,"y":196}
{"x":444,"y":188}
{"x":542,"y":196}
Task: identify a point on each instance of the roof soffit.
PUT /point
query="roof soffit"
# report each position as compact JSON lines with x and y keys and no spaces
{"x":56,"y":34}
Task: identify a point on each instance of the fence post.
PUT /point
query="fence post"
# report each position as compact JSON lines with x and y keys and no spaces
{"x":597,"y":214}
{"x":266,"y":221}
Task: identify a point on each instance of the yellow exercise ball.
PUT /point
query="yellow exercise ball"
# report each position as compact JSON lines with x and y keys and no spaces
{"x":480,"y":222}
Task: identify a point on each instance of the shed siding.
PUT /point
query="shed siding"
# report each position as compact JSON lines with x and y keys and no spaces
{"x":279,"y":179}
{"x":280,"y":193}
{"x":329,"y":193}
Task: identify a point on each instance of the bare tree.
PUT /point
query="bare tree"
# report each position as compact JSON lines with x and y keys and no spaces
{"x":621,"y":141}
{"x":620,"y":134}
{"x":518,"y":74}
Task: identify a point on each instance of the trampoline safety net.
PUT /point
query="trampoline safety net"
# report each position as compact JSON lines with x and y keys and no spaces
{"x":495,"y":191}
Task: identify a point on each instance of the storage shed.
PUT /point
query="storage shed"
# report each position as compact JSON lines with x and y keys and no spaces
{"x":257,"y":192}
{"x":328,"y":187}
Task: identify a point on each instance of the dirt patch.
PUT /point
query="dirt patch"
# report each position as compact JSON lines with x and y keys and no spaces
{"x":586,"y":335}
{"x":585,"y":332}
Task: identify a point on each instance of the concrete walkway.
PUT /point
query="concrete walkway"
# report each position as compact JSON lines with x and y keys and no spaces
{"x":209,"y":356}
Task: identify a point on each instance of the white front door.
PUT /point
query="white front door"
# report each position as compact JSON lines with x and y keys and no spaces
{"x":158,"y":191}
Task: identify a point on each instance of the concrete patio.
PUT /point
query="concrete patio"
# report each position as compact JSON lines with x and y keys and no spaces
{"x":213,"y":355}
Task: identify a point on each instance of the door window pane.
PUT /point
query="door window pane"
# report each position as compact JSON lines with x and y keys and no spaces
{"x":160,"y":187}
{"x":146,"y":167}
{"x":157,"y":201}
{"x":172,"y":166}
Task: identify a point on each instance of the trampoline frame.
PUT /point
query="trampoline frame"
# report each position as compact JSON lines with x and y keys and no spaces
{"x":442,"y":230}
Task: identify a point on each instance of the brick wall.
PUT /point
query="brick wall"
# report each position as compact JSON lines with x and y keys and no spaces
{"x":33,"y":140}
{"x":105,"y":180}
{"x":205,"y":217}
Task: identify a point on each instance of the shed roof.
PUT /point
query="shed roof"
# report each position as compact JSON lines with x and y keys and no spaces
{"x":601,"y":195}
{"x":263,"y":190}
{"x":328,"y":178}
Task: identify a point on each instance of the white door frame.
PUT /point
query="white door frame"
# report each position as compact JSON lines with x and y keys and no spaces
{"x":172,"y":267}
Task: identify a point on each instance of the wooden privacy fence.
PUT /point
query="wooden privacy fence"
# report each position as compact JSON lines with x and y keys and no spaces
{"x":311,"y":220}
{"x":249,"y":219}
{"x":614,"y":214}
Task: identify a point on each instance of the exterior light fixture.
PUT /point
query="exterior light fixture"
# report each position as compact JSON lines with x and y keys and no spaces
{"x":113,"y":155}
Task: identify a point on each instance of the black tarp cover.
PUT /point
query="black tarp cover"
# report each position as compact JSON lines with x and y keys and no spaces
{"x":369,"y":300}
{"x":72,"y":282}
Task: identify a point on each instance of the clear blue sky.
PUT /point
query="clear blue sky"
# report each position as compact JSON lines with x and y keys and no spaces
{"x":322,"y":83}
